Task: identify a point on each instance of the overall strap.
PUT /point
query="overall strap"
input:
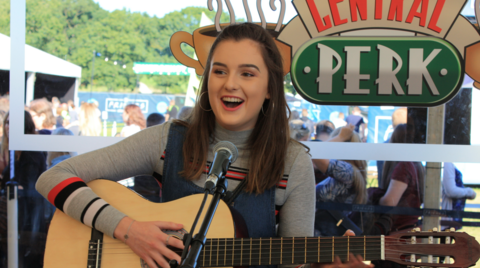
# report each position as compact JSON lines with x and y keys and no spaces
{"x":175,"y":186}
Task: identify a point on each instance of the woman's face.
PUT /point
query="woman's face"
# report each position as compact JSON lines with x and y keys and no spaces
{"x":238,"y":84}
{"x":38,"y":119}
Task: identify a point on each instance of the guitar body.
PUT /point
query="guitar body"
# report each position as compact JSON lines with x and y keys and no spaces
{"x":70,"y":244}
{"x":68,"y":240}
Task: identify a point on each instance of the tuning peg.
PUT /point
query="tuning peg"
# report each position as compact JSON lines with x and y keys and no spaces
{"x":452,"y":229}
{"x":435,"y":229}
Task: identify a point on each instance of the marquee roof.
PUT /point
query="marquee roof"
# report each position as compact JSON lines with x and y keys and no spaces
{"x":38,"y":61}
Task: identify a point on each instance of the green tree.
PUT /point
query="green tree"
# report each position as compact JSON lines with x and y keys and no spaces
{"x":74,"y":29}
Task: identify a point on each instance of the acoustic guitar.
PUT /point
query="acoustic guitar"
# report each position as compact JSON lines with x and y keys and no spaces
{"x":72,"y":244}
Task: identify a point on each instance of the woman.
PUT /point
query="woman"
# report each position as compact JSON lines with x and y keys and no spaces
{"x":134,"y":120}
{"x":42,"y":115}
{"x":346,"y":182}
{"x":34,"y":212}
{"x":89,"y":120}
{"x":241,"y":100}
{"x":403,"y":181}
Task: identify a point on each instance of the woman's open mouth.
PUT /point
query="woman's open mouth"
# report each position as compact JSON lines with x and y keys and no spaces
{"x":232,"y":103}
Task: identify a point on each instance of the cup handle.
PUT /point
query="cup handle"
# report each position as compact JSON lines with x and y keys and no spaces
{"x":175,"y":41}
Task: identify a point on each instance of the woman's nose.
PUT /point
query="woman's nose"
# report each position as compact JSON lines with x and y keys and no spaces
{"x":232,"y":82}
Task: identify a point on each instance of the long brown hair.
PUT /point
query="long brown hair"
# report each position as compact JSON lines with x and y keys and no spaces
{"x":359,"y":171}
{"x":43,"y":106}
{"x":270,"y":137}
{"x":135,"y":116}
{"x":29,"y":128}
{"x":403,"y":133}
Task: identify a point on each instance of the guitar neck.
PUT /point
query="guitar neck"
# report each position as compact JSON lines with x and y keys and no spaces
{"x":220,"y":252}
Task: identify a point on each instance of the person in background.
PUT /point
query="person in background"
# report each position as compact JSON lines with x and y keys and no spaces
{"x":89,"y":123}
{"x":134,"y":120}
{"x":322,"y":132}
{"x":346,"y":183}
{"x":41,"y":112}
{"x":294,"y":115}
{"x":399,"y":116}
{"x":172,"y":111}
{"x":299,"y":131}
{"x":339,"y":120}
{"x":54,"y":158}
{"x":356,"y":119}
{"x":155,"y":119}
{"x":327,"y":123}
{"x":308,"y":122}
{"x":454,"y":193}
{"x":72,"y":111}
{"x":55,"y":104}
{"x":403,"y":181}
{"x":34,"y":213}
{"x":185,"y":112}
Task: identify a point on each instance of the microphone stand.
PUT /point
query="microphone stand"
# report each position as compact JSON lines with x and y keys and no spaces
{"x":199,"y":239}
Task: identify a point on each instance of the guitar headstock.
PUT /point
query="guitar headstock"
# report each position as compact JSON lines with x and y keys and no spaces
{"x":432,"y":248}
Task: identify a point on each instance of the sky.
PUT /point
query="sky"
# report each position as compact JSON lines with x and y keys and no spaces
{"x":162,"y":7}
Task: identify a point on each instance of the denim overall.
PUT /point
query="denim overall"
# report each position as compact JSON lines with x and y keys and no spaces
{"x":258,"y":211}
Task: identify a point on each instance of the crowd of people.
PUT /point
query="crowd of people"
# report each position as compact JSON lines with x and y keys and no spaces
{"x":241,"y":100}
{"x":345,"y":181}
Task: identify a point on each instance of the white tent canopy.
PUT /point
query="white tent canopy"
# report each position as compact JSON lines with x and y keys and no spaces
{"x":37,"y":61}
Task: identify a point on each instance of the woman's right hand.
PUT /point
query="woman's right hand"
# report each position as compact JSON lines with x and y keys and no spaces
{"x":148,"y":241}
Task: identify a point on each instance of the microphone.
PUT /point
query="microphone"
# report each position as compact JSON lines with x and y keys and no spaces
{"x":225,"y":153}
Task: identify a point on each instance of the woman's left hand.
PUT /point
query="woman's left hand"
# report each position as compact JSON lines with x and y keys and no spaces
{"x":354,"y":262}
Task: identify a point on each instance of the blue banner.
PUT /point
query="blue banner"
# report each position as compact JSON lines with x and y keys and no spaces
{"x":114,"y":103}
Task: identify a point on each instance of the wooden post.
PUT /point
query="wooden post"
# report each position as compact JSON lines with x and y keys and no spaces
{"x":435,"y":125}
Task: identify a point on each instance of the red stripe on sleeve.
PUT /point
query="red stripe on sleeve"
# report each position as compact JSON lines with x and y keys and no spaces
{"x":57,"y":189}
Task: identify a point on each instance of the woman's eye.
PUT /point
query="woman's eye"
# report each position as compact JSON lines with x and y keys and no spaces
{"x":248,"y":74}
{"x":218,"y":72}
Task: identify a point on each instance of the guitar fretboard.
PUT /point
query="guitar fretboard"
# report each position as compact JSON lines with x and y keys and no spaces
{"x":220,"y":252}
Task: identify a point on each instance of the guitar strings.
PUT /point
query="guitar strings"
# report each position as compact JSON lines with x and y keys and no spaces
{"x":276,"y":258}
{"x":276,"y":253}
{"x":287,"y":241}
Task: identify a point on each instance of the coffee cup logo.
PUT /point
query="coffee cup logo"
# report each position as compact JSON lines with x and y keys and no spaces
{"x":202,"y":40}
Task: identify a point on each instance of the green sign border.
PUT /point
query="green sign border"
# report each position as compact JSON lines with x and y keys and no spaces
{"x":445,"y":99}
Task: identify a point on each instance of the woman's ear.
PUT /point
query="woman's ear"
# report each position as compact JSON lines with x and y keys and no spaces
{"x":267,"y":96}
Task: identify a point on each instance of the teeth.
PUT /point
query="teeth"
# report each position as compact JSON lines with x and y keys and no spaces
{"x":230,"y":99}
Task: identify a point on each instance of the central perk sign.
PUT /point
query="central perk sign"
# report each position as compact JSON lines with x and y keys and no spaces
{"x":375,"y":71}
{"x":382,"y":52}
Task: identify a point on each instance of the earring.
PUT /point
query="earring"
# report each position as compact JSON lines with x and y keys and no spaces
{"x":263,"y":112}
{"x":200,"y":101}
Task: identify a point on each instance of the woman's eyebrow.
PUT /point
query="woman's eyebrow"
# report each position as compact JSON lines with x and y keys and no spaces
{"x":249,"y":66}
{"x":219,"y":64}
{"x":240,"y":66}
